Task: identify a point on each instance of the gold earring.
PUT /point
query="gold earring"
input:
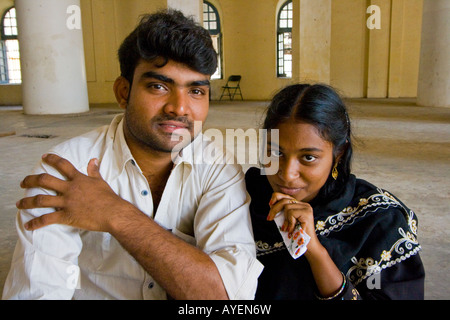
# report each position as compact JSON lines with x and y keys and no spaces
{"x":334,"y":172}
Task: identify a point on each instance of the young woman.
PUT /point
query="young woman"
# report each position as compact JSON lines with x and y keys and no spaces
{"x":363,"y":239}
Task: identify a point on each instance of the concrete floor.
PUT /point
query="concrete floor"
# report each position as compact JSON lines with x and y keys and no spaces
{"x":399,"y":147}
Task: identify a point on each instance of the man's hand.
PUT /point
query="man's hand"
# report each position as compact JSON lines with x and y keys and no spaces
{"x":85,"y":202}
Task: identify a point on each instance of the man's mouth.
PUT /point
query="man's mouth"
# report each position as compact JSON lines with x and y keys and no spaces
{"x":174,"y":126}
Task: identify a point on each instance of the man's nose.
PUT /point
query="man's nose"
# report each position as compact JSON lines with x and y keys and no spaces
{"x":177,"y":103}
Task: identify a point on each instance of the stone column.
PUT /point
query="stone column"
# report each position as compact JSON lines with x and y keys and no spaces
{"x":434,"y":71}
{"x":378,"y":51}
{"x":52,"y":56}
{"x":315,"y":40}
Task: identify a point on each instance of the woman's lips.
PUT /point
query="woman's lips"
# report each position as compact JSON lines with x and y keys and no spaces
{"x":288,"y":190}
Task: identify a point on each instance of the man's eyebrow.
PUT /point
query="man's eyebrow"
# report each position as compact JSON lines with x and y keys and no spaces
{"x":200,"y":83}
{"x":163,"y":78}
{"x":157,"y":76}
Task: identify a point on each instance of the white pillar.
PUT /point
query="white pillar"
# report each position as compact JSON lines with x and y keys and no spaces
{"x":52,"y":56}
{"x":434,"y":71}
{"x":188,"y":7}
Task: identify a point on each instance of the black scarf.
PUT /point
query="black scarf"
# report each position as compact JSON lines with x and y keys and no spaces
{"x":365,"y":230}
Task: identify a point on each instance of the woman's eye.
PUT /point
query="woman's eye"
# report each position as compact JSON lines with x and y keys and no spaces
{"x":276,"y":153}
{"x":309,"y":158}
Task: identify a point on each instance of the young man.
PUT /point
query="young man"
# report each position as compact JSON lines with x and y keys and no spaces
{"x":139,"y":225}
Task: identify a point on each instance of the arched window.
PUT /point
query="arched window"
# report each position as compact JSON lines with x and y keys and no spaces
{"x":284,"y":41}
{"x":9,"y":49}
{"x":211,"y":22}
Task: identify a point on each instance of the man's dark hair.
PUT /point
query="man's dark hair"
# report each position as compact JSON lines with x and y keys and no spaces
{"x":168,"y":35}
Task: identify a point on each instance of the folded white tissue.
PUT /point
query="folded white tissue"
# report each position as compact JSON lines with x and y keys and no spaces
{"x":296,"y":241}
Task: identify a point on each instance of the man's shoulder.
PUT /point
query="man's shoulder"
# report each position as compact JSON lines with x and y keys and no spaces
{"x":86,"y":146}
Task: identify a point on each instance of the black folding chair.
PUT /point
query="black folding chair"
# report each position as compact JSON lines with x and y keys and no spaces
{"x":232,"y":88}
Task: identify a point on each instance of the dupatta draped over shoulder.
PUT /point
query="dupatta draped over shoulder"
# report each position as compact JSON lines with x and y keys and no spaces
{"x":369,"y":233}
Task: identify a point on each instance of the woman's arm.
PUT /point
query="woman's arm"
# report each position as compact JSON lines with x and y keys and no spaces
{"x":329,"y":279}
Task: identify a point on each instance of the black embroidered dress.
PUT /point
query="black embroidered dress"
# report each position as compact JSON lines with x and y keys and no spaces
{"x":370,"y":235}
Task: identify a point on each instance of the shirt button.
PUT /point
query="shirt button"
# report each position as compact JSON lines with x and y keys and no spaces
{"x":151,"y":285}
{"x":144,"y":193}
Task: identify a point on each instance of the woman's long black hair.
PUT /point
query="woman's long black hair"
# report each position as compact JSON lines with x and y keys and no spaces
{"x":320,"y":106}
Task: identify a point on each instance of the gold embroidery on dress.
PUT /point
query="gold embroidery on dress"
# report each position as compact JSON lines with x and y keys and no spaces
{"x":355,"y":294}
{"x":349,"y":214}
{"x":263,"y":248}
{"x":405,"y":247}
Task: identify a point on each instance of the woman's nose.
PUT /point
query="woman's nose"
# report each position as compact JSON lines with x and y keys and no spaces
{"x":289,"y":171}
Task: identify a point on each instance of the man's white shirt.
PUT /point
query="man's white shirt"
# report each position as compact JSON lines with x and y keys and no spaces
{"x":204,"y":204}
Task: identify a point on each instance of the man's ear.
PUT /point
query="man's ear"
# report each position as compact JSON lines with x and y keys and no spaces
{"x":121,"y":91}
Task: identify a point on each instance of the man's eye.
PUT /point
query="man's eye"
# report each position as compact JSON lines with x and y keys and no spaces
{"x":155,"y":86}
{"x":197,"y":91}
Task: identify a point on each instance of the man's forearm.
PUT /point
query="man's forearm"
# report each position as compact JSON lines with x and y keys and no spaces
{"x":184,"y":271}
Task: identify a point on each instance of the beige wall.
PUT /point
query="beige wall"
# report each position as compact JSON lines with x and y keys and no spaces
{"x":331,"y":44}
{"x":314,"y":40}
{"x":376,"y":63}
{"x":249,"y":47}
{"x":105,"y":24}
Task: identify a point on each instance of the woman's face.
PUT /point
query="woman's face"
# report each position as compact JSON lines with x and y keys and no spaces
{"x":305,"y":161}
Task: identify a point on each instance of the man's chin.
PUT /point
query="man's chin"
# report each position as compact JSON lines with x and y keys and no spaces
{"x":175,"y":145}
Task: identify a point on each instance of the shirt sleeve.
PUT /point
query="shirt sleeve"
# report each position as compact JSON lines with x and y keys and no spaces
{"x":45,"y":261}
{"x":223,"y":230}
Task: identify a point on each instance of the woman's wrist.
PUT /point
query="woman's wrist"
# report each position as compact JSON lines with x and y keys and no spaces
{"x":329,"y":279}
{"x":338,"y":293}
{"x":315,"y":250}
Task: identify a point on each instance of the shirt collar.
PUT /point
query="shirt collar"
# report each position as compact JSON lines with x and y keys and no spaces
{"x":188,"y":154}
{"x":122,"y":153}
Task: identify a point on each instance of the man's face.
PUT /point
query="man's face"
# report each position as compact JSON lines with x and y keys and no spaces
{"x":165,"y":102}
